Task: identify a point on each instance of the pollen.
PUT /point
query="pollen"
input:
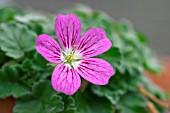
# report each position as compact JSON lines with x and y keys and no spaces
{"x":71,"y":57}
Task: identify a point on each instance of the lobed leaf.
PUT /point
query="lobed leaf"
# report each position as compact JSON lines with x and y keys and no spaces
{"x":16,"y":39}
{"x":87,"y":102}
{"x":10,"y":82}
{"x":42,"y":99}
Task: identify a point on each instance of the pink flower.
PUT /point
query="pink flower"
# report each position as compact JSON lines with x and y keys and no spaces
{"x":74,"y":60}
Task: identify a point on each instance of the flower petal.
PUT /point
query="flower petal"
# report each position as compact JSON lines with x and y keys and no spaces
{"x":94,"y":42}
{"x":68,"y":29}
{"x":95,"y":70}
{"x":48,"y":48}
{"x":65,"y":79}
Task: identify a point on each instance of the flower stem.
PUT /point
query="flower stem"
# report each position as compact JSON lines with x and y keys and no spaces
{"x":151,"y":108}
{"x":83,"y":85}
{"x":143,"y":90}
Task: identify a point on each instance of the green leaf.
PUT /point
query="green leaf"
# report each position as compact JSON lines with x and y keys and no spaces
{"x":37,"y":22}
{"x":2,"y":57}
{"x":132,"y":62}
{"x":69,"y":104}
{"x":10,"y":84}
{"x":40,"y":62}
{"x":16,"y":39}
{"x":112,"y":95}
{"x":118,"y":85}
{"x":27,"y":65}
{"x":35,"y":71}
{"x":42,"y":99}
{"x":150,"y":62}
{"x":31,"y":17}
{"x":132,"y":103}
{"x":142,"y":38}
{"x":7,"y":14}
{"x":87,"y":102}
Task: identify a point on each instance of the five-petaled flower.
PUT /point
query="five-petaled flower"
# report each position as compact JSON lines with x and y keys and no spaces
{"x":74,"y":58}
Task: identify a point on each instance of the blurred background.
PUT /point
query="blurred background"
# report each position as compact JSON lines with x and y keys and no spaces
{"x":152,"y":17}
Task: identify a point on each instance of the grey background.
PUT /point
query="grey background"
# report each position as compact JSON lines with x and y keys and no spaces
{"x":152,"y":17}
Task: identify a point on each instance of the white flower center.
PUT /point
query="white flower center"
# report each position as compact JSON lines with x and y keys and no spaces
{"x":71,"y":57}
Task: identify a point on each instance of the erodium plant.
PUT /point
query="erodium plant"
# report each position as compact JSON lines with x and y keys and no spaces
{"x":80,"y":84}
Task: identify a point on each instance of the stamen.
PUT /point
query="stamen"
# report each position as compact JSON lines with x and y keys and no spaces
{"x":74,"y":60}
{"x":70,"y":57}
{"x":73,"y":51}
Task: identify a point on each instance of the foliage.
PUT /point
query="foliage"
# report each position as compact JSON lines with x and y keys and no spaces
{"x":25,"y":75}
{"x":42,"y":99}
{"x":15,"y":42}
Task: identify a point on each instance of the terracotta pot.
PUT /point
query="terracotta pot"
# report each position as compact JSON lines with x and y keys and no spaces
{"x":163,"y":81}
{"x":6,"y":105}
